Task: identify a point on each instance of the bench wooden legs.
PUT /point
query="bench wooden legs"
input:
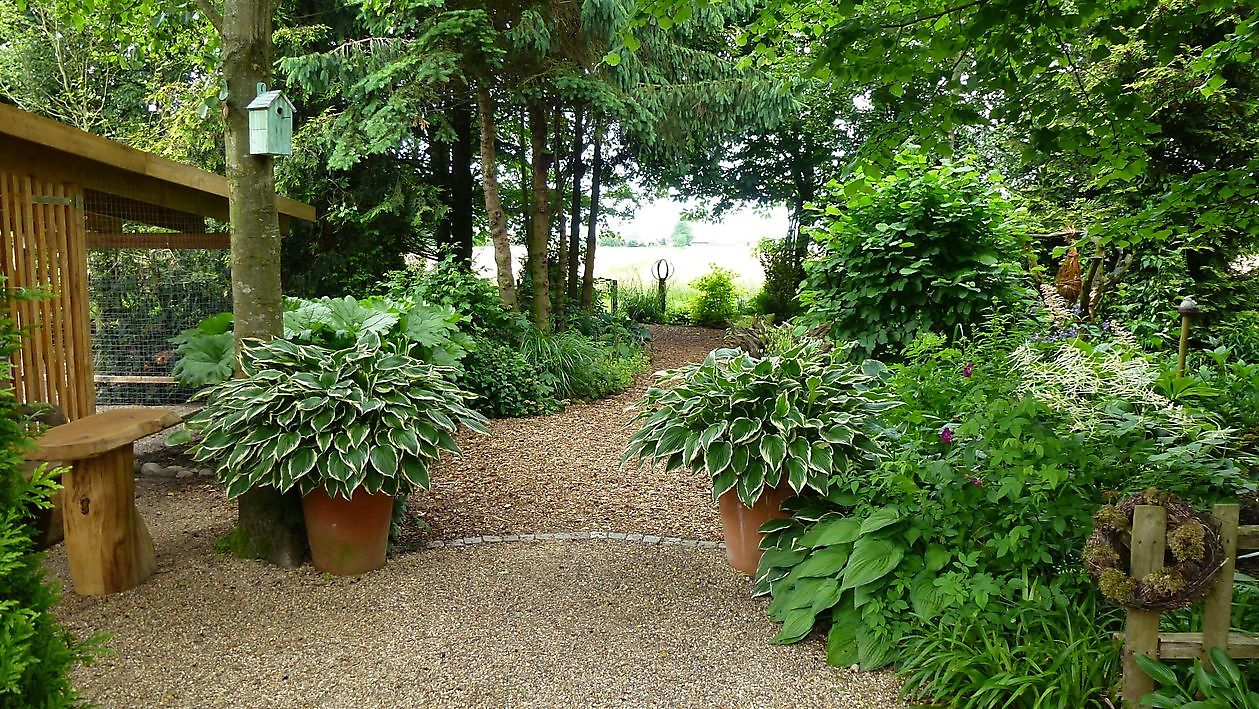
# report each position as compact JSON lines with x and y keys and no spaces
{"x":109,"y":547}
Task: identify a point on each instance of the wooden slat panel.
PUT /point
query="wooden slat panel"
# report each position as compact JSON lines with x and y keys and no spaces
{"x":38,"y":338}
{"x":66,"y":389}
{"x":22,"y":229}
{"x":1248,"y":537}
{"x":1217,"y":610}
{"x":76,"y":292}
{"x":8,"y":246}
{"x":176,"y":240}
{"x":1187,"y":646}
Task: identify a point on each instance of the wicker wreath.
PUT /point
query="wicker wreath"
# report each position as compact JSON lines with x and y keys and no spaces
{"x":1194,"y":555}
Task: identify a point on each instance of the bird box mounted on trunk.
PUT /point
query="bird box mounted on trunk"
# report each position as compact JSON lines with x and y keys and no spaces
{"x":270,"y":123}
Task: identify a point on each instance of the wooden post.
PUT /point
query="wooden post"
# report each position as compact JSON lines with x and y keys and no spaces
{"x":108,"y":546}
{"x":1218,"y":606}
{"x":1149,"y":532}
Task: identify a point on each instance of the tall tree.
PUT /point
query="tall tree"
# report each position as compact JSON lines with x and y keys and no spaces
{"x":493,"y":201}
{"x":539,"y":235}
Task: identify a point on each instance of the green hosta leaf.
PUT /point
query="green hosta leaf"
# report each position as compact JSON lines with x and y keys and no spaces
{"x":405,"y":440}
{"x":875,"y":648}
{"x":723,"y":481}
{"x":797,"y":624}
{"x":691,"y":449}
{"x":323,"y":419}
{"x":797,"y":473}
{"x":880,"y":518}
{"x":828,"y":561}
{"x":717,"y":458}
{"x":936,"y":557}
{"x":773,"y":451}
{"x":358,"y":434}
{"x":287,"y":443}
{"x":335,"y":468}
{"x":775,"y":525}
{"x":751,"y":483}
{"x":298,"y":465}
{"x":820,"y":457}
{"x":871,"y":560}
{"x":711,"y":434}
{"x":385,"y":460}
{"x":835,"y":530}
{"x":781,"y":559}
{"x":928,"y":601}
{"x":356,"y":458}
{"x":671,"y":441}
{"x":841,"y":641}
{"x":742,"y":429}
{"x":782,"y":405}
{"x":415,"y":472}
{"x":237,"y":487}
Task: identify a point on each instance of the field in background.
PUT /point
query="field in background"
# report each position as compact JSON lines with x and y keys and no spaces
{"x":632,"y":265}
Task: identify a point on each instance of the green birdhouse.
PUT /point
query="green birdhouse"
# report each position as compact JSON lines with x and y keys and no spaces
{"x":270,"y":123}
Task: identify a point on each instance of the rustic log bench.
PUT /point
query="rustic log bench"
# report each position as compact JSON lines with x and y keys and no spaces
{"x":108,"y":546}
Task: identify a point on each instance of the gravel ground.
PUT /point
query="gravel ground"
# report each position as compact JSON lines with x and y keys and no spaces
{"x":582,"y":623}
{"x":562,"y":473}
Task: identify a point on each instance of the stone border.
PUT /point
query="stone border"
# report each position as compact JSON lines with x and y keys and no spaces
{"x":574,"y":536}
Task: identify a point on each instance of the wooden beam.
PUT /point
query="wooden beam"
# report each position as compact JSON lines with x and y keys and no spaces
{"x":41,"y":145}
{"x":173,"y":240}
{"x":1187,"y":646}
{"x":1248,"y":537}
{"x":133,"y":379}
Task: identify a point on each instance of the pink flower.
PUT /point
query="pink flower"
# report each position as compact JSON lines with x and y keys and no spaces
{"x":946,"y":434}
{"x":976,"y":481}
{"x":968,"y":370}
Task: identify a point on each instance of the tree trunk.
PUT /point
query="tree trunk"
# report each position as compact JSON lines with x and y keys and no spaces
{"x":592,"y":226}
{"x":440,"y":179}
{"x":574,"y":212}
{"x":461,"y":184}
{"x":538,"y":238}
{"x":494,"y":203}
{"x":269,"y":525}
{"x":561,"y":288}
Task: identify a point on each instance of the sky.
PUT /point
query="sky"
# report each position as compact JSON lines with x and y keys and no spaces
{"x":658,"y":218}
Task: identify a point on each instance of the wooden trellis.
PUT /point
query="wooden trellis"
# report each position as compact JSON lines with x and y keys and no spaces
{"x":45,"y":249}
{"x":1141,"y":633}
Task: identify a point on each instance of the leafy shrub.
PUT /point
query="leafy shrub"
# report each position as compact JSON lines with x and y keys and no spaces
{"x":206,"y":353}
{"x":475,"y":298}
{"x":640,"y":305}
{"x":429,"y":332}
{"x":578,"y":367}
{"x":925,"y":249}
{"x":1223,"y":686}
{"x":35,"y":651}
{"x":504,"y":382}
{"x":307,"y":416}
{"x":783,"y":275}
{"x":1005,"y":447}
{"x":716,"y":300}
{"x":1043,"y":648}
{"x":1240,"y":334}
{"x":752,"y":424}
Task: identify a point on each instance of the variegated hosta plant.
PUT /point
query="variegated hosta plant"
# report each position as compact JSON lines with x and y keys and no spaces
{"x":306,"y":416}
{"x":756,"y":423}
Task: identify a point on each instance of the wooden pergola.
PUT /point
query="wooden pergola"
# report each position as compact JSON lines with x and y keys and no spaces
{"x":64,"y":191}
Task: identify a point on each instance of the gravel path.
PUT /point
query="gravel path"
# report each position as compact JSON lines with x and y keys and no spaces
{"x":575,"y":623}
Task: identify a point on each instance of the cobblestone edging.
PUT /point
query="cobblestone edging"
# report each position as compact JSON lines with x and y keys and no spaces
{"x":574,"y":536}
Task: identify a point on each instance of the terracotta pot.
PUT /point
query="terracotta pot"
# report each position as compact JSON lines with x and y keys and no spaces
{"x":739,"y":523}
{"x":347,"y":537}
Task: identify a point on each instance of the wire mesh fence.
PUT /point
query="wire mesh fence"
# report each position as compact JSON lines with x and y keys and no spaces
{"x":138,"y":300}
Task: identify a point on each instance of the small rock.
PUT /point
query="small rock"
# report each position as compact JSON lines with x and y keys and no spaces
{"x":205,"y":473}
{"x":150,"y":468}
{"x":182,"y":474}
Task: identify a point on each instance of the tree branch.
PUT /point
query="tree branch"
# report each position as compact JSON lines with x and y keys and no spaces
{"x":211,"y":13}
{"x":933,"y":16}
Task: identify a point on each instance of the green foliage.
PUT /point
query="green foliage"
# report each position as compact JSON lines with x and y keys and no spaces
{"x":207,"y":352}
{"x":504,"y":382}
{"x":1239,"y":332}
{"x":780,"y":260}
{"x":450,"y":285}
{"x":1004,"y":449}
{"x":798,"y":419}
{"x":682,"y":235}
{"x":1223,"y":686}
{"x":716,"y":301}
{"x":576,"y":366}
{"x":924,"y":249}
{"x":427,"y":332}
{"x":307,"y":416}
{"x":640,"y":305}
{"x":35,"y":651}
{"x":1042,"y":649}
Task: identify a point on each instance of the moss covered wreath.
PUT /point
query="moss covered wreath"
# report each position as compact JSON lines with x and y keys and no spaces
{"x":1194,"y":555}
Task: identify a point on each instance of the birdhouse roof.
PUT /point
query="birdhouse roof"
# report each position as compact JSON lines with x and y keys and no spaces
{"x":267,"y":99}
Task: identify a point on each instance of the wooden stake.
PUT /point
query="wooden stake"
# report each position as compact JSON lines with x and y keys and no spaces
{"x":1149,"y":532}
{"x":1217,"y":612}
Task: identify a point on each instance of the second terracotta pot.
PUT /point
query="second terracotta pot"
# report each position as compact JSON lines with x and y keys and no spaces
{"x":740,"y":524}
{"x":347,"y":537}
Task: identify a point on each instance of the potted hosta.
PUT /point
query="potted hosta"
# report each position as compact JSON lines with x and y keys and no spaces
{"x":349,"y":428}
{"x":762,"y":429}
